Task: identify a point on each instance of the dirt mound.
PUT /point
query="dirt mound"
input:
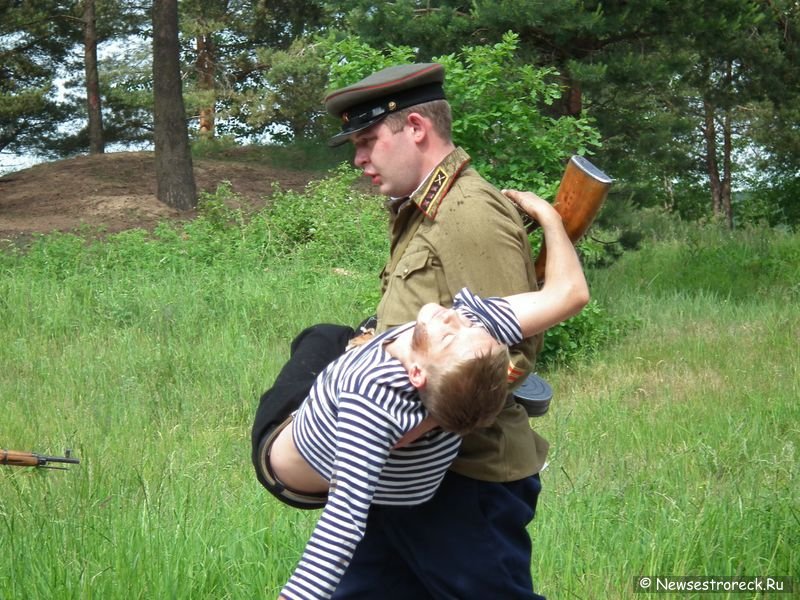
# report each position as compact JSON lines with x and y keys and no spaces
{"x":117,"y":191}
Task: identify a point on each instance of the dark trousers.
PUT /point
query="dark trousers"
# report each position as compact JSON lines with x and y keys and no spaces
{"x":311,"y":351}
{"x":468,"y":542}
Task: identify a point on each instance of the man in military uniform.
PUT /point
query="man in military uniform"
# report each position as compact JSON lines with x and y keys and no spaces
{"x":449,"y":229}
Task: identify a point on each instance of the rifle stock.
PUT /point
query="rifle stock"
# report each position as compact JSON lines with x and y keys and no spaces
{"x":15,"y":458}
{"x":581,"y":193}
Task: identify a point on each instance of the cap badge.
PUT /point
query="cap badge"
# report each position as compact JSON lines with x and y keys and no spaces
{"x":392,"y":105}
{"x":345,"y":117}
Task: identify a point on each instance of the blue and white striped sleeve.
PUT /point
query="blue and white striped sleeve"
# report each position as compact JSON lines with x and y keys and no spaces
{"x":365,"y":436}
{"x":494,"y":314}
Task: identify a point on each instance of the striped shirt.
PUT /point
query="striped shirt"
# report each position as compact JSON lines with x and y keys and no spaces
{"x":359,"y":408}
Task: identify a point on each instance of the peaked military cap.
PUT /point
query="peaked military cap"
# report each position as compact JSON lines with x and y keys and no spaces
{"x":375,"y":97}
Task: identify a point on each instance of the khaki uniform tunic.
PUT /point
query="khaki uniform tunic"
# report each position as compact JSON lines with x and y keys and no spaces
{"x":458,"y":231}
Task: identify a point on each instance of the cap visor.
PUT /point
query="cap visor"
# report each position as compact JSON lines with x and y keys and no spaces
{"x":338,"y":139}
{"x":343,"y":136}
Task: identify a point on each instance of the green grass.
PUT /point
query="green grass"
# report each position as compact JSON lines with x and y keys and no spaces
{"x":152,"y":380}
{"x":300,"y":156}
{"x":676,"y":453}
{"x":674,"y":450}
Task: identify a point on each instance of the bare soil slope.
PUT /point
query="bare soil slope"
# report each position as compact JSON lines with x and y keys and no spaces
{"x":117,"y":191}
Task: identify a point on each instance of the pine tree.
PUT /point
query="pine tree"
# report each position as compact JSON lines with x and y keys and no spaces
{"x":174,"y":174}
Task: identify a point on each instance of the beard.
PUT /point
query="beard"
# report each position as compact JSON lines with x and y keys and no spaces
{"x":419,"y":338}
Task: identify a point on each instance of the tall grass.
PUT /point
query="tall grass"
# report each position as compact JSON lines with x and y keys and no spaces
{"x":152,"y":379}
{"x":674,"y":450}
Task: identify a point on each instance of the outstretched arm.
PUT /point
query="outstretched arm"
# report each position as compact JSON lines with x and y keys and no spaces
{"x":565,"y":291}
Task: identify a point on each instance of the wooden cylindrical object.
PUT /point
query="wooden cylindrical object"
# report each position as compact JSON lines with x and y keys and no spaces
{"x":581,"y":193}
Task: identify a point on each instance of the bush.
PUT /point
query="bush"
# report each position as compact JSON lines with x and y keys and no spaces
{"x":332,"y":222}
{"x":497,"y":103}
{"x":582,"y":336}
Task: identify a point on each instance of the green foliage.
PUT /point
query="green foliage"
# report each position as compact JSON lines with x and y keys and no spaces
{"x":595,"y":328}
{"x":42,"y":65}
{"x":214,"y":208}
{"x":757,"y":207}
{"x":351,"y":59}
{"x":330,"y":228}
{"x":498,"y":109}
{"x":642,"y":74}
{"x":287,"y":102}
{"x":148,"y":362}
{"x":602,"y":247}
{"x":330,"y":225}
{"x":433,"y":28}
{"x":499,"y":115}
{"x":654,"y":223}
{"x":214,"y":147}
{"x":126,"y":83}
{"x":36,"y":38}
{"x":305,"y":156}
{"x":332,"y":222}
{"x":263,"y":75}
{"x":774,"y":204}
{"x":585,"y":336}
{"x":674,"y":256}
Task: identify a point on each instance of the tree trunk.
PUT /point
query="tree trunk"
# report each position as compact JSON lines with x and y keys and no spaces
{"x":573,"y":98}
{"x":712,"y":167}
{"x":727,"y":149}
{"x":96,"y":141}
{"x":205,"y":76}
{"x":174,"y":175}
{"x":725,"y":191}
{"x":571,"y":102}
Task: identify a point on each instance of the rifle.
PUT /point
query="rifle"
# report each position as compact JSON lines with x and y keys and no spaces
{"x":15,"y":458}
{"x":581,"y":193}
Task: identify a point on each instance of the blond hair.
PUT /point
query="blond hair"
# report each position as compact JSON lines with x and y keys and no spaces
{"x":469,"y":394}
{"x":438,"y":111}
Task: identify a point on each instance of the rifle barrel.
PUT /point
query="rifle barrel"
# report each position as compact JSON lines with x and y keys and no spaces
{"x":60,"y":459}
{"x":30,"y":459}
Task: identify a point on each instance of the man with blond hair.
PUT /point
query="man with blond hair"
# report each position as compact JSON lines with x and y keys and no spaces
{"x":382,"y":423}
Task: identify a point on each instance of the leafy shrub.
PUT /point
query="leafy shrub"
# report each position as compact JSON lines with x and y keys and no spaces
{"x":497,"y":102}
{"x":771,"y":197}
{"x":758,"y":207}
{"x":215,"y":208}
{"x":332,"y":222}
{"x":582,"y":336}
{"x":56,"y":254}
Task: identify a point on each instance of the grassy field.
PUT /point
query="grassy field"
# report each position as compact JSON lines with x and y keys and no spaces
{"x":674,"y":450}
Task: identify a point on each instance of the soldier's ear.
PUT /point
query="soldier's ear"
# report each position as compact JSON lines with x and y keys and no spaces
{"x":418,"y":124}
